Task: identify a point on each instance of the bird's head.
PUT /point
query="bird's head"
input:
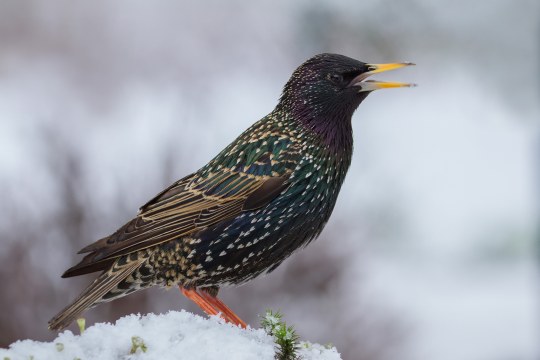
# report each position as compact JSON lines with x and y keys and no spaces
{"x":325,"y":90}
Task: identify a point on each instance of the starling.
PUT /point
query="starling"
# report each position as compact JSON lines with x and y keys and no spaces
{"x":268,"y":193}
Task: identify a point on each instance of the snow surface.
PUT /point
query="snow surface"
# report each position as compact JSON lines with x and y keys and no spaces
{"x":175,"y":335}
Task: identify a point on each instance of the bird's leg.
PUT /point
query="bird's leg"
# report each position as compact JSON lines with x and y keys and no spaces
{"x":212,"y":305}
{"x":194,"y":296}
{"x":226,"y":312}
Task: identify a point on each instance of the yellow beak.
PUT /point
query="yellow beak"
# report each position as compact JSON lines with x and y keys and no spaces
{"x":378,"y":68}
{"x":371,"y":85}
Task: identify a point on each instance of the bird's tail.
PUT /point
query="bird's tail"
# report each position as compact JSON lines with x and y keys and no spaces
{"x":106,"y":282}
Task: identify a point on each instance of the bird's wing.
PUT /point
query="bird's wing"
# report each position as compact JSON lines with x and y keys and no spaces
{"x":101,"y":286}
{"x":193,"y":203}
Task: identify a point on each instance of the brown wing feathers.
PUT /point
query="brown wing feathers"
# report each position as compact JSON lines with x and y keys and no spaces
{"x":101,"y":286}
{"x":183,"y":208}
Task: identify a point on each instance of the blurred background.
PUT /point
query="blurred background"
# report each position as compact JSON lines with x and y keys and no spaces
{"x":431,"y":252}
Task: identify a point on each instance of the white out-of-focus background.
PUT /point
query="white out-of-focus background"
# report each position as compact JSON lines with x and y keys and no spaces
{"x":431,"y":251}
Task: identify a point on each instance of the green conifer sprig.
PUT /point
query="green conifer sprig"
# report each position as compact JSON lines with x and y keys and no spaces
{"x":285,"y":336}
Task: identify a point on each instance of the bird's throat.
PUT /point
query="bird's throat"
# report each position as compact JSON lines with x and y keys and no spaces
{"x":331,"y":129}
{"x":334,"y":132}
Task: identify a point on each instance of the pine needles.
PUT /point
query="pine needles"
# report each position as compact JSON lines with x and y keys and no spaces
{"x":285,"y":336}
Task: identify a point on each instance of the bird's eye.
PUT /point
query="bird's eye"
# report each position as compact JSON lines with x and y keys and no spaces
{"x":336,"y":78}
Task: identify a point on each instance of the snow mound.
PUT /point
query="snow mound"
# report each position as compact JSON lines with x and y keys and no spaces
{"x":175,"y":335}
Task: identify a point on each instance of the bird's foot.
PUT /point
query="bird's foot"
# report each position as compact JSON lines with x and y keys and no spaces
{"x":212,"y":305}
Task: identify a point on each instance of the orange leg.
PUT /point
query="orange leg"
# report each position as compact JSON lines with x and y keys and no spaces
{"x":226,"y":312}
{"x":212,"y":306}
{"x":194,"y":296}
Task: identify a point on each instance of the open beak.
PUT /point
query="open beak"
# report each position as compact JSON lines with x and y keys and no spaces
{"x":370,"y":85}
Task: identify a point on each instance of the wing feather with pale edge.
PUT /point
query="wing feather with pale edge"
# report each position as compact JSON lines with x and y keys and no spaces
{"x":187,"y":206}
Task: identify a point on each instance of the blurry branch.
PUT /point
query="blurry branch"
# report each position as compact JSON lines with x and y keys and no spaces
{"x":36,"y":249}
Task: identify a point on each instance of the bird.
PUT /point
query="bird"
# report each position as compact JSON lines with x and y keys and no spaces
{"x":268,"y":193}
